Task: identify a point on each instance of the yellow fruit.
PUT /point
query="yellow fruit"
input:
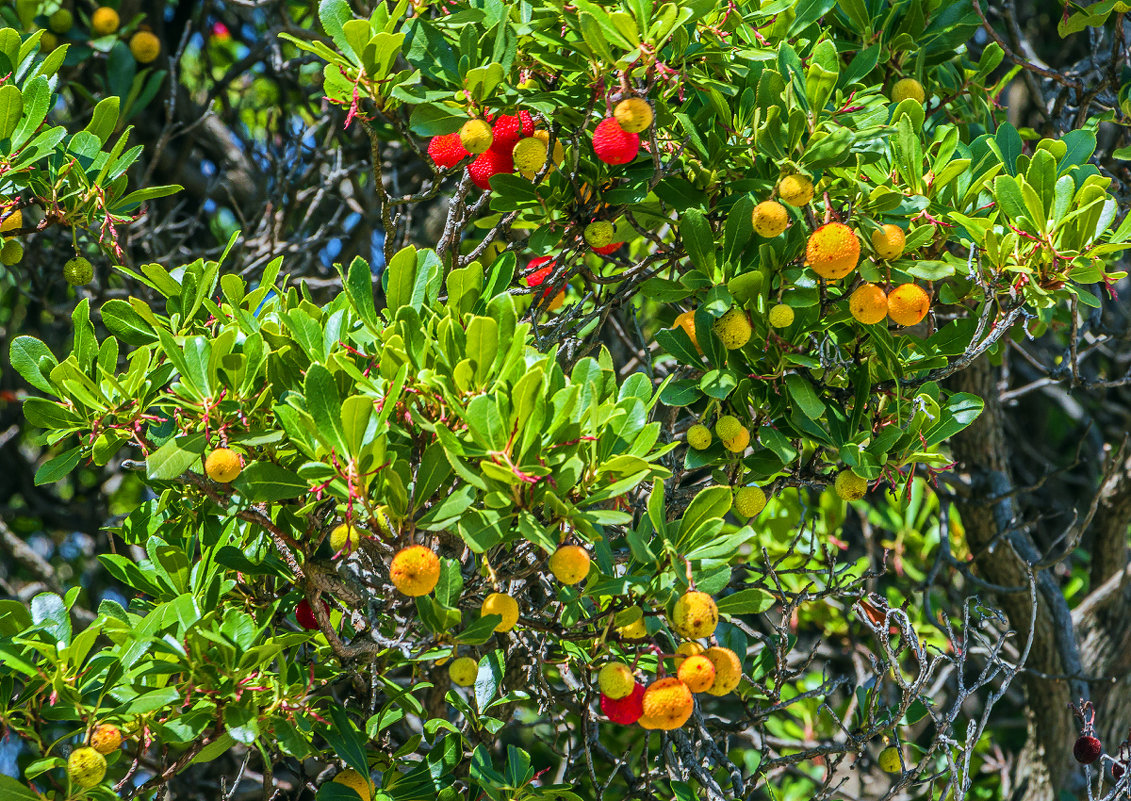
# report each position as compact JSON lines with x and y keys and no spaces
{"x":344,"y":538}
{"x":686,"y":321}
{"x":849,"y":486}
{"x":796,"y":190}
{"x":13,"y":222}
{"x":781,"y":316}
{"x":633,"y":114}
{"x":695,"y":615}
{"x":463,"y":671}
{"x":728,"y":670}
{"x":106,"y":739}
{"x":749,"y":501}
{"x":832,"y":251}
{"x":569,"y":564}
{"x":104,"y":21}
{"x":699,"y":437}
{"x":529,"y":156}
{"x":386,"y":523}
{"x":668,"y":703}
{"x":599,"y":234}
{"x":415,"y":570}
{"x":223,"y":466}
{"x":739,"y":442}
{"x":908,"y":88}
{"x":698,"y":673}
{"x":733,"y":329}
{"x":769,"y":218}
{"x":86,"y":767}
{"x":685,"y":650}
{"x":355,"y":781}
{"x":501,"y":604}
{"x":145,"y":46}
{"x":869,"y":304}
{"x":630,"y":623}
{"x":476,"y":136}
{"x":616,"y":680}
{"x":888,"y":241}
{"x":543,"y":136}
{"x":908,"y":304}
{"x":78,"y":271}
{"x":61,"y":21}
{"x":890,"y":760}
{"x":557,"y":301}
{"x":648,"y":723}
{"x":727,"y":426}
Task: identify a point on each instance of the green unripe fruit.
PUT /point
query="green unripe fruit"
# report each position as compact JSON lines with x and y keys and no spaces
{"x":61,"y":21}
{"x":78,"y":271}
{"x":728,"y":427}
{"x":529,"y":156}
{"x":781,"y":316}
{"x":344,"y":538}
{"x":749,"y":501}
{"x":908,"y":88}
{"x":733,"y":329}
{"x":745,"y":287}
{"x":11,"y":253}
{"x":616,"y":680}
{"x":849,"y":486}
{"x":890,"y":760}
{"x":699,"y":437}
{"x":463,"y":671}
{"x":86,"y":767}
{"x":599,"y":234}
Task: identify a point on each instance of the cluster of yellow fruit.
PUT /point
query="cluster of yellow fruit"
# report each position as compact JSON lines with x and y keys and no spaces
{"x":668,"y":702}
{"x":144,"y":45}
{"x":86,"y":765}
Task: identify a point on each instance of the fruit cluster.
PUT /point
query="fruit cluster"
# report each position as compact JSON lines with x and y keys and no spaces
{"x":104,"y":21}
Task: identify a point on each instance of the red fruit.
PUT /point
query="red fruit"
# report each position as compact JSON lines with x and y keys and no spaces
{"x":488,"y":164}
{"x":543,"y":270}
{"x":613,"y":144}
{"x":305,"y":615}
{"x":1087,"y":749}
{"x":1117,"y":770}
{"x":627,"y":710}
{"x":609,"y":248}
{"x":509,"y":128}
{"x":447,"y":151}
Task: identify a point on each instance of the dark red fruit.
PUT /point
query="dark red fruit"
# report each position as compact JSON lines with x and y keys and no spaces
{"x":609,"y":248}
{"x":1117,"y":770}
{"x":305,"y":615}
{"x":627,"y":710}
{"x":1087,"y":749}
{"x":487,"y":165}
{"x":509,"y":128}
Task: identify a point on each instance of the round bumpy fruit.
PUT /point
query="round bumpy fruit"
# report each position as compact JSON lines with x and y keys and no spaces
{"x":415,"y":570}
{"x":888,"y":241}
{"x":86,"y":767}
{"x":686,"y":321}
{"x":613,"y":144}
{"x":569,"y":564}
{"x":832,"y":251}
{"x":446,"y":150}
{"x":106,"y":738}
{"x":304,"y":614}
{"x":61,"y":21}
{"x":908,"y":304}
{"x":685,"y":650}
{"x":869,"y":304}
{"x":796,"y":190}
{"x":509,"y":129}
{"x":599,"y":233}
{"x":728,"y":670}
{"x":13,"y":222}
{"x":503,"y":605}
{"x":78,"y":271}
{"x":849,"y":486}
{"x":487,"y":165}
{"x":627,"y":710}
{"x":695,"y":615}
{"x":668,"y":703}
{"x":908,"y":88}
{"x":529,"y":156}
{"x":355,"y":781}
{"x":733,"y":329}
{"x":145,"y":47}
{"x":476,"y":136}
{"x":749,"y":501}
{"x":608,"y":249}
{"x":781,"y":316}
{"x":769,"y":218}
{"x":727,"y":426}
{"x":699,"y":437}
{"x":543,"y":136}
{"x":697,"y":672}
{"x":11,"y":253}
{"x":891,"y":760}
{"x":104,"y":21}
{"x":744,"y":287}
{"x":633,"y":114}
{"x":1087,"y":749}
{"x":223,"y":466}
{"x":630,"y":623}
{"x":463,"y":671}
{"x":616,"y":680}
{"x":739,"y":442}
{"x":344,"y":538}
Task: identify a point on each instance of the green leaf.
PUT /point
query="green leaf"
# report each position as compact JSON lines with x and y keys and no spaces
{"x":175,"y":457}
{"x":51,"y":471}
{"x":12,"y":790}
{"x":104,"y":118}
{"x":711,"y":503}
{"x":745,"y":602}
{"x":11,"y":109}
{"x":266,"y":481}
{"x":699,"y":241}
{"x":804,"y":397}
{"x":34,"y":361}
{"x":50,"y":613}
{"x":123,"y":321}
{"x":325,"y":405}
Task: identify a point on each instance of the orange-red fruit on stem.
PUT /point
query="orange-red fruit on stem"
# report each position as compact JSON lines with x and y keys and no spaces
{"x":613,"y":144}
{"x":509,"y":128}
{"x":447,"y":150}
{"x":697,"y":672}
{"x":833,"y":251}
{"x":908,"y":304}
{"x":869,"y":304}
{"x":415,"y":570}
{"x":667,"y":703}
{"x":106,"y":738}
{"x":487,"y":165}
{"x":627,"y":710}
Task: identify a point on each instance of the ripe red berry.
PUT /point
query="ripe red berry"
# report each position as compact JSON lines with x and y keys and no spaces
{"x":543,"y":270}
{"x":509,"y":128}
{"x":487,"y":165}
{"x":447,"y":151}
{"x":613,"y":144}
{"x":627,"y":710}
{"x":609,"y":248}
{"x":1117,"y":770}
{"x":305,"y":615}
{"x":1087,"y":749}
